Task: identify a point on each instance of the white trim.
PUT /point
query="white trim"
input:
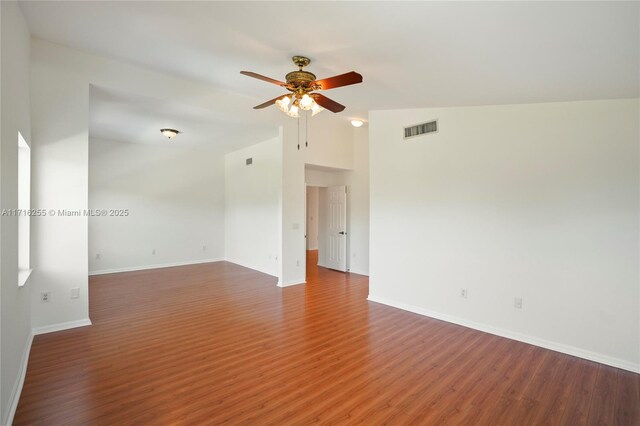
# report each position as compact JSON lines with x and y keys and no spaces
{"x":60,"y":326}
{"x":355,"y":271}
{"x":143,"y":268}
{"x":290,"y":283}
{"x":17,"y":387}
{"x":23,"y":276}
{"x":554,"y":346}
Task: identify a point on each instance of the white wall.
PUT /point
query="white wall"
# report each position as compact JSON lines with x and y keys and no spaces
{"x":320,"y":178}
{"x":533,"y":201}
{"x":60,"y":80}
{"x":175,"y":198}
{"x":312,"y":217}
{"x":15,"y":322}
{"x":59,"y":108}
{"x":253,"y":206}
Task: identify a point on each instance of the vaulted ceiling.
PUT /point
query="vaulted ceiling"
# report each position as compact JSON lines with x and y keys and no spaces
{"x":411,"y":54}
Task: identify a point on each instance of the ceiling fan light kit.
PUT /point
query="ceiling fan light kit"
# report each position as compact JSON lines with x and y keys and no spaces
{"x":302,"y":85}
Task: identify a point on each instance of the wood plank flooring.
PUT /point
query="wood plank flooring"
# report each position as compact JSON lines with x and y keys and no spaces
{"x":218,"y":343}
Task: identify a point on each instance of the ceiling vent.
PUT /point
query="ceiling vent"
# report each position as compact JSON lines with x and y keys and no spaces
{"x":249,"y":161}
{"x":421,"y":129}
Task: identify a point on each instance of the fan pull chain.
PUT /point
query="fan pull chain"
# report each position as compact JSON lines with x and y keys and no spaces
{"x":306,"y":127}
{"x":298,"y":132}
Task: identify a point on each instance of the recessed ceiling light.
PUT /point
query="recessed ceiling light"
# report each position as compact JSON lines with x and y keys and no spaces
{"x":357,"y":123}
{"x":170,"y":133}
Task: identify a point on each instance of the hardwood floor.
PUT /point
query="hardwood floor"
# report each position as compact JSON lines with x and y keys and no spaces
{"x":218,"y":343}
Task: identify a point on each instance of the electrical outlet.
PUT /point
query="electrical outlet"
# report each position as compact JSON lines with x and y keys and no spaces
{"x":153,"y":251}
{"x":297,"y":262}
{"x":75,"y":292}
{"x":463,"y":293}
{"x":45,"y":296}
{"x":204,"y":248}
{"x":517,"y":303}
{"x":97,"y":256}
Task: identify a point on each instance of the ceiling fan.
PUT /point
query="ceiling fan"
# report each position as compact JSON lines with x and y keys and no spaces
{"x":302,"y":84}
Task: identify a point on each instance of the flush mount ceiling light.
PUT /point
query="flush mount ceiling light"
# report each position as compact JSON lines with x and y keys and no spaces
{"x":301,"y":84}
{"x":357,"y":123}
{"x":170,"y":133}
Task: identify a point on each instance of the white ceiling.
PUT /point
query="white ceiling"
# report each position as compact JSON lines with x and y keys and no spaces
{"x":411,"y":54}
{"x":133,"y":118}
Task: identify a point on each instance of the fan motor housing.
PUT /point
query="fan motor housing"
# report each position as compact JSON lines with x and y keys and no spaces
{"x":300,"y":78}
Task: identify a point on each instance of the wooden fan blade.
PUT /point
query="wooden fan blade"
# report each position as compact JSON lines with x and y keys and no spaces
{"x":339,"y":81}
{"x":269,"y":103}
{"x":327,"y":103}
{"x":263,"y":78}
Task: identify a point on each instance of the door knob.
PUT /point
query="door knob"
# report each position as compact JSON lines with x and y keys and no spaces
{"x":342,"y":233}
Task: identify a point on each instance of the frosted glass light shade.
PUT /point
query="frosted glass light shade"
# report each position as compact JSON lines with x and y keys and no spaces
{"x":283,"y":104}
{"x":316,"y":109}
{"x":293,"y":111}
{"x":170,"y":133}
{"x":306,"y":102}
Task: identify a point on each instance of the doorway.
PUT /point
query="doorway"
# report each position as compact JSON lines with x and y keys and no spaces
{"x":326,"y":228}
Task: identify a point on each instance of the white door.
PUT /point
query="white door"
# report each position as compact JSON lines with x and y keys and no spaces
{"x":337,"y":228}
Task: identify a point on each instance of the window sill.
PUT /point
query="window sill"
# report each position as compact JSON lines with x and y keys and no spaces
{"x":23,"y":276}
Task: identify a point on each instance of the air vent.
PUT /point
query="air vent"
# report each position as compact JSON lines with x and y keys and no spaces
{"x":249,"y":161}
{"x":421,"y":129}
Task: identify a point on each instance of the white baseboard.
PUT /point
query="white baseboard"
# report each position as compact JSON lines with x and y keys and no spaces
{"x":355,"y":271}
{"x":60,"y":326}
{"x":290,"y":283}
{"x":144,"y":268}
{"x":554,"y":346}
{"x":14,"y":398}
